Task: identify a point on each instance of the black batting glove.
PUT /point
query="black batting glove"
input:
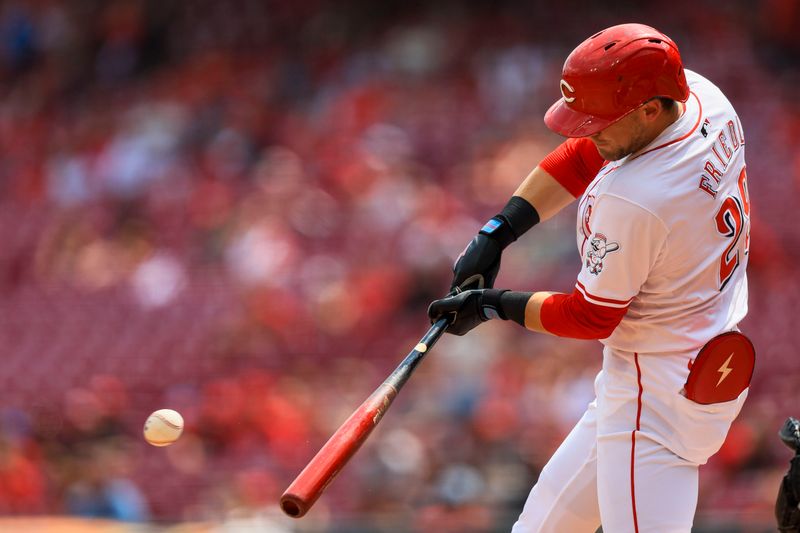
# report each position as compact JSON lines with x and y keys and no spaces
{"x":467,"y":309}
{"x":479,"y":263}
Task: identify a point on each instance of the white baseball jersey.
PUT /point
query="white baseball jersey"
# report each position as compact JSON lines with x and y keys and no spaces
{"x":666,"y":231}
{"x":665,"y":234}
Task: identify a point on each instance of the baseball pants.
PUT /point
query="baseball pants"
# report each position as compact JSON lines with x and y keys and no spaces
{"x":617,"y":466}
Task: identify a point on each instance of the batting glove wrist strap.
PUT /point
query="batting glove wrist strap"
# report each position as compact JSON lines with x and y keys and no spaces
{"x":517,"y":217}
{"x":491,"y":304}
{"x":513,"y":304}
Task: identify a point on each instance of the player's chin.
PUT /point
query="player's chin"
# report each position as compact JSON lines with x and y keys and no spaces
{"x":609,"y":154}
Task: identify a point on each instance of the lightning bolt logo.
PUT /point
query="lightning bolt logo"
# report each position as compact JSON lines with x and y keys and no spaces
{"x":725,"y":369}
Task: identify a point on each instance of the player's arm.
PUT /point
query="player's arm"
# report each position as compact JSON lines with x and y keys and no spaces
{"x":572,"y":315}
{"x":618,"y":257}
{"x":543,"y":191}
{"x":559,"y":178}
{"x":564,"y":315}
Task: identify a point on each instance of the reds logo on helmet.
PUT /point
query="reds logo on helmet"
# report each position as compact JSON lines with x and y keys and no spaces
{"x":567,"y":87}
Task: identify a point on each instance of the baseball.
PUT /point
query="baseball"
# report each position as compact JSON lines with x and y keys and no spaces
{"x":163,"y":427}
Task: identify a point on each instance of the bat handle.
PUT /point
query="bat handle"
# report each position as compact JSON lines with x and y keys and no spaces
{"x":401,"y":374}
{"x":436,"y":330}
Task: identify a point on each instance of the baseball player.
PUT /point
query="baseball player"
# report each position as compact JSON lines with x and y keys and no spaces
{"x":655,"y":154}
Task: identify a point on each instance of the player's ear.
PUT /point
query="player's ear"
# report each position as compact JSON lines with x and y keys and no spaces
{"x":652,"y":109}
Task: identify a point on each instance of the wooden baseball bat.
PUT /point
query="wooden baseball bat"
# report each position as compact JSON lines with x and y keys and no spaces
{"x":323,"y":468}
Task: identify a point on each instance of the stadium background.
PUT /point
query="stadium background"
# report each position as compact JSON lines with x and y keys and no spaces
{"x":240,"y":210}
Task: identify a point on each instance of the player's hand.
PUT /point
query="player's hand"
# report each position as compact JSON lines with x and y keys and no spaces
{"x":467,"y":309}
{"x":478,"y":264}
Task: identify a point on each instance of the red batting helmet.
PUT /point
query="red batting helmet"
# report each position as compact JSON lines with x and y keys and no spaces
{"x":612,"y":73}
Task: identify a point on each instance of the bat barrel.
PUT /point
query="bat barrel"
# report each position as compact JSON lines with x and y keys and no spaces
{"x":323,"y":468}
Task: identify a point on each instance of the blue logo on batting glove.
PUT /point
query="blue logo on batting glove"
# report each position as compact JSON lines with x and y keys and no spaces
{"x":491,"y":226}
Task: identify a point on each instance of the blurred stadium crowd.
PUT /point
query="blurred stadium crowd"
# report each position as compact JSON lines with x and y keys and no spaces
{"x":240,"y":210}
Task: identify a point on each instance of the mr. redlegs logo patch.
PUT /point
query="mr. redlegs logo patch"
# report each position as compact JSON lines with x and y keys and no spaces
{"x":598,"y":248}
{"x":722,"y":369}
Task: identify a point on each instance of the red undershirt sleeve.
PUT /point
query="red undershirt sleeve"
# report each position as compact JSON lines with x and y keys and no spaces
{"x":571,"y":315}
{"x":574,"y":164}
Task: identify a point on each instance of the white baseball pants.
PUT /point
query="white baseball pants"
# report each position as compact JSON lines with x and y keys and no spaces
{"x":631,"y":462}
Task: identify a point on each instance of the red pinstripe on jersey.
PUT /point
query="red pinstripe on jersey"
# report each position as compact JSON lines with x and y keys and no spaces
{"x":633,"y":441}
{"x":600,"y":300}
{"x":679,"y":139}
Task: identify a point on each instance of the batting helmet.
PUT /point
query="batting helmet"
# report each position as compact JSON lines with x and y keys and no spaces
{"x":612,"y":73}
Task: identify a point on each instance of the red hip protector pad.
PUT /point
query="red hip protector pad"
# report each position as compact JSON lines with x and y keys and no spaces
{"x":722,"y":369}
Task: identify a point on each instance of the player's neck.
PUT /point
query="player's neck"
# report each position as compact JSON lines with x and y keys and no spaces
{"x":668,"y":118}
